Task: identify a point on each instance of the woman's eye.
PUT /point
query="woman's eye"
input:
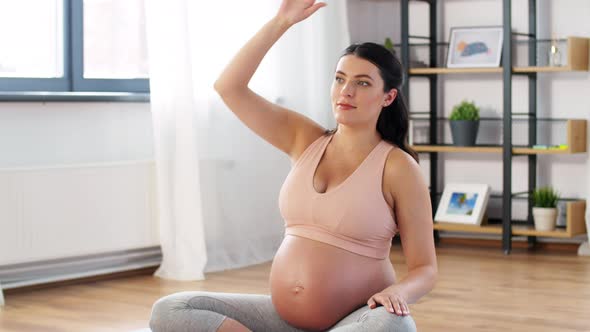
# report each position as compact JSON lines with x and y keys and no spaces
{"x":363,"y":83}
{"x":339,"y":79}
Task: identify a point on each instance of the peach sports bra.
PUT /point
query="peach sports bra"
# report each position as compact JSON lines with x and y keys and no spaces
{"x":353,"y":216}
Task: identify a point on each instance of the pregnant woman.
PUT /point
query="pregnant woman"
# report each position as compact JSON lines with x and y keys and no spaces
{"x":350,"y":190}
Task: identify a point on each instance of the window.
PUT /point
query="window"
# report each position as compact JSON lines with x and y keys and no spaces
{"x":73,"y":45}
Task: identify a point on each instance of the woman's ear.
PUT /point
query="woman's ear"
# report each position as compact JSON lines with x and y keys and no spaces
{"x":390,"y":97}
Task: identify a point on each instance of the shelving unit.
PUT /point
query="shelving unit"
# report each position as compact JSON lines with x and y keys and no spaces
{"x":576,"y":137}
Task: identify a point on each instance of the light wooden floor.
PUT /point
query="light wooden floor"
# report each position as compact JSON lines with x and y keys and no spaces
{"x":478,"y":290}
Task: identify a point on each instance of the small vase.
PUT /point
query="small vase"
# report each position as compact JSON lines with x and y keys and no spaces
{"x":544,"y":218}
{"x":554,"y":55}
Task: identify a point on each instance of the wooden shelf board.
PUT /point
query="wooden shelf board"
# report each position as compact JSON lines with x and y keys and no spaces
{"x":441,"y":70}
{"x":455,"y":227}
{"x":577,"y":52}
{"x":576,"y":135}
{"x":542,"y":69}
{"x":530,"y":231}
{"x":487,"y":149}
{"x":575,"y":221}
{"x":497,"y":229}
{"x":540,"y":151}
{"x":450,"y":148}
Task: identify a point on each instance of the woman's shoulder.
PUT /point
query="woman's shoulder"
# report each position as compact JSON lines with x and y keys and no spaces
{"x":401,"y":173}
{"x":400,"y":165}
{"x":306,"y":139}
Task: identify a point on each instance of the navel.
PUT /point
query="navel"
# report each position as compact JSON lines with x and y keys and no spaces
{"x":298,"y":288}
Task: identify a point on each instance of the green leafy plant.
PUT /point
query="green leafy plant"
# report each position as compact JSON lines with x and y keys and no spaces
{"x":388,"y":44}
{"x":465,"y":111}
{"x":545,"y":197}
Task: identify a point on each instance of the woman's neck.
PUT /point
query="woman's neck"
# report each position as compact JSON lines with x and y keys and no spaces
{"x":351,"y":139}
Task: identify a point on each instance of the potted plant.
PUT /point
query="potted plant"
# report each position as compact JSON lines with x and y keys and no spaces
{"x":545,"y":208}
{"x":464,"y":123}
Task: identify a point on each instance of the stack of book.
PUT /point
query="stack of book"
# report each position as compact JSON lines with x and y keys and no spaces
{"x":551,"y":147}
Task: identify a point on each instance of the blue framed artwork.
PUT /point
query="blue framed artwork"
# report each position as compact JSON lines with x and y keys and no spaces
{"x":475,"y":47}
{"x":463,"y":203}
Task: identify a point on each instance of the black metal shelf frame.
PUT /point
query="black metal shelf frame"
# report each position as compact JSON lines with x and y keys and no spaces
{"x":507,"y":117}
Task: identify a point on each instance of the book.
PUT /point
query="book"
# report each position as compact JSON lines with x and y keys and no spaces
{"x":550,"y":147}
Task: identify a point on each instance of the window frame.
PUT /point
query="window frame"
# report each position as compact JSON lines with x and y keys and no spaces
{"x":73,"y":78}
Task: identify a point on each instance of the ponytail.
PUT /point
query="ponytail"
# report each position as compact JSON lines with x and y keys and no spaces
{"x":393,"y":125}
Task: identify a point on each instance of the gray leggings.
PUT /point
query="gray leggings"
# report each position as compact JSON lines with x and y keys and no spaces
{"x":205,"y":311}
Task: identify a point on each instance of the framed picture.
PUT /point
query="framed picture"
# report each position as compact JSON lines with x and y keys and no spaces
{"x":463,"y":203}
{"x":475,"y":47}
{"x":561,"y":214}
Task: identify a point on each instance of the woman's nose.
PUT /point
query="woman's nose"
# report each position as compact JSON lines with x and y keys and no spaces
{"x":347,"y":90}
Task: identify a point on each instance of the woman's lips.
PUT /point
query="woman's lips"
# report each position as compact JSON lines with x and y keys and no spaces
{"x":344,"y":106}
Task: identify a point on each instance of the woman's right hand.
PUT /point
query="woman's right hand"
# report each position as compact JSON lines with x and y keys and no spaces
{"x":293,"y":11}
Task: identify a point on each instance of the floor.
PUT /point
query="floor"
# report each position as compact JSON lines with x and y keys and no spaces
{"x":479,"y":289}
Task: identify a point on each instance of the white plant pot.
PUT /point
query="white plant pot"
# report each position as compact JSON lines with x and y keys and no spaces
{"x":544,"y":218}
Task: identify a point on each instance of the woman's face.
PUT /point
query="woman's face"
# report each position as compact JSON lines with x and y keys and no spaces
{"x":357,"y":92}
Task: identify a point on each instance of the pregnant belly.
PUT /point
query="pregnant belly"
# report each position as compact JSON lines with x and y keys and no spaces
{"x":314,"y":285}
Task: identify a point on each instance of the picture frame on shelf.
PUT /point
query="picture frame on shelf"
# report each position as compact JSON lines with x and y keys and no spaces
{"x":561,"y":214}
{"x":463,"y":203}
{"x":475,"y":47}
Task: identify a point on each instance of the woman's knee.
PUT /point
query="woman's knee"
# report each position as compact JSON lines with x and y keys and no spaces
{"x":163,"y":312}
{"x":404,"y":324}
{"x":183,"y":308}
{"x":159,"y":315}
{"x":379,"y":319}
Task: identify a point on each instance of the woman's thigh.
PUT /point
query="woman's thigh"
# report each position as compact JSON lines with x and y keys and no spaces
{"x":186,"y":310}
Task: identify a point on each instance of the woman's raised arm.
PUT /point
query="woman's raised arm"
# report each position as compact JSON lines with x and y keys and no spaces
{"x":283,"y":128}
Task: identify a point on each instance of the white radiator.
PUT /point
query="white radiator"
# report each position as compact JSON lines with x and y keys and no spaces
{"x":63,"y":221}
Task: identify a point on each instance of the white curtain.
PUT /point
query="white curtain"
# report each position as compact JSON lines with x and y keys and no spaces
{"x":217,"y":182}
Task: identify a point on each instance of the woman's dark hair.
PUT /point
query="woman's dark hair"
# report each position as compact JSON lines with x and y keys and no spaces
{"x":393,"y":119}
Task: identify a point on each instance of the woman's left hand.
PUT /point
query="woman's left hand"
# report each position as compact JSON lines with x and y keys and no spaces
{"x":392,"y":300}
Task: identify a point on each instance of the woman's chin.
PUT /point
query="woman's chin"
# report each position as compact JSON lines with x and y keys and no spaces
{"x":344,"y":121}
